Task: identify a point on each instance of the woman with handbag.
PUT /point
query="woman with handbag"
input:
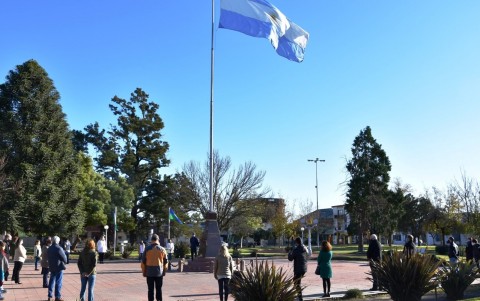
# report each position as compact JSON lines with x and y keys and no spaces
{"x":324,"y":268}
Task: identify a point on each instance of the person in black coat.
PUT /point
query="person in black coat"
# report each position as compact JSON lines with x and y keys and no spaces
{"x":409,"y":249}
{"x":476,"y":251}
{"x":469,"y":249}
{"x":299,"y":256}
{"x":374,"y":253}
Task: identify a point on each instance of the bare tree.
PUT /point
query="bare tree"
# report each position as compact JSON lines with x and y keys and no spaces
{"x":230,"y":188}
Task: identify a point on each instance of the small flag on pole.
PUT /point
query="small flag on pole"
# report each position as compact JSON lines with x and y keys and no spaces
{"x":258,"y":18}
{"x":174,"y":217}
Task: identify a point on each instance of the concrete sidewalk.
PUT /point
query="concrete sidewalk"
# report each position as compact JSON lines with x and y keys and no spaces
{"x":121,"y":280}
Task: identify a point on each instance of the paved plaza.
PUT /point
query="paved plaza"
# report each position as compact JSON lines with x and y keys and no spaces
{"x":122,"y":280}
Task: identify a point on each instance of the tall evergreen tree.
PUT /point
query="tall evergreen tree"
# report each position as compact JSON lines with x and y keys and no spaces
{"x":367,"y":192}
{"x":133,"y":148}
{"x":34,"y":136}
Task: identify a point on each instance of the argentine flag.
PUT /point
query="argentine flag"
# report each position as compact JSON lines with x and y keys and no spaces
{"x":258,"y":18}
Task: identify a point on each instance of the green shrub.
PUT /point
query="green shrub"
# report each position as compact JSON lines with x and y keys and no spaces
{"x":406,"y":280}
{"x":127,"y":251}
{"x":254,"y":253}
{"x":236,"y":253}
{"x":263,"y":282}
{"x":457,"y":277}
{"x":181,"y":249}
{"x":353,"y":293}
{"x":108,"y":254}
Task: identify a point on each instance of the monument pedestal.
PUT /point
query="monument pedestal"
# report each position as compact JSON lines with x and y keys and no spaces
{"x":210,"y":242}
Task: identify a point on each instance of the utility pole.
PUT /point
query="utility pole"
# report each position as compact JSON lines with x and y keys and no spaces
{"x":316,"y":160}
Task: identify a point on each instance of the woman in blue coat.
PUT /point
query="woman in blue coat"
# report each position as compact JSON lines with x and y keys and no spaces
{"x":325,"y":263}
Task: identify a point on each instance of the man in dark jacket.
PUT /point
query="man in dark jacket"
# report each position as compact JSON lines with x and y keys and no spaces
{"x":452,"y":250}
{"x":194,"y":243}
{"x":56,"y":264}
{"x":374,"y":254}
{"x":154,"y":265}
{"x":299,"y":256}
{"x":469,"y":249}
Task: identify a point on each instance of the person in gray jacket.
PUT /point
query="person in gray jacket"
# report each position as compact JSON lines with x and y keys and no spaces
{"x":299,"y":256}
{"x":223,"y":271}
{"x":56,"y":264}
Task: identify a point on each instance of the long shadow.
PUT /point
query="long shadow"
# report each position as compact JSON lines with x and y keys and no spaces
{"x":194,"y":295}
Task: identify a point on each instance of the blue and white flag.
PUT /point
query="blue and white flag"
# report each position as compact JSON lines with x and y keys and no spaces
{"x":258,"y":18}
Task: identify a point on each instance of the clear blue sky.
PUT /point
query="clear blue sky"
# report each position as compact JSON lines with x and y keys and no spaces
{"x":408,"y":69}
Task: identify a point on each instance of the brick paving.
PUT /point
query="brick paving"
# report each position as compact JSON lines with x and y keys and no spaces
{"x":121,"y":280}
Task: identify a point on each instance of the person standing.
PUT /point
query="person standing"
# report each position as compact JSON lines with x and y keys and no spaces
{"x":37,"y":253}
{"x":141,"y":249}
{"x":222,"y":271}
{"x":87,"y":262}
{"x":324,"y":261}
{"x":3,"y":267}
{"x":6,"y":251}
{"x":476,"y":251}
{"x":299,"y":256}
{"x":154,"y":265}
{"x":452,"y":250}
{"x":194,"y":243}
{"x":170,"y":250}
{"x":409,"y":249}
{"x":469,"y":250}
{"x":101,"y":248}
{"x":56,"y":265}
{"x":19,"y":258}
{"x":67,"y":246}
{"x":44,"y":261}
{"x":374,"y":254}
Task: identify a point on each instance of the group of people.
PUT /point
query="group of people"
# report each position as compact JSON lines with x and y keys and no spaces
{"x":53,"y":259}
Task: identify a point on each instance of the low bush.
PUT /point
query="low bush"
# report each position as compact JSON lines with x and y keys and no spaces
{"x":263,"y":282}
{"x":353,"y":293}
{"x":127,"y":251}
{"x":457,"y":277}
{"x":181,"y":249}
{"x":406,"y":279}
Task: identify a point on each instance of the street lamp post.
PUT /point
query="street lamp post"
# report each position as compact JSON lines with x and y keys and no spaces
{"x":309,"y":224}
{"x":106,"y":235}
{"x":302,"y":229}
{"x":316,"y":160}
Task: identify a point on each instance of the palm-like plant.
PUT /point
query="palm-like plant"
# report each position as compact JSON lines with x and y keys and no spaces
{"x":457,"y":277}
{"x":407,"y":279}
{"x":263,"y":283}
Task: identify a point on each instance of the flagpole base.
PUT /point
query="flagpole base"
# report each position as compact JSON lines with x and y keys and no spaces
{"x":210,"y":242}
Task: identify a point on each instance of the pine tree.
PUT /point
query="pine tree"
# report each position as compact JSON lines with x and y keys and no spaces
{"x":37,"y":143}
{"x":367,"y":192}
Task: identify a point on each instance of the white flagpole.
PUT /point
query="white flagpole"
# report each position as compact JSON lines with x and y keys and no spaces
{"x":212,"y":58}
{"x":168,"y":222}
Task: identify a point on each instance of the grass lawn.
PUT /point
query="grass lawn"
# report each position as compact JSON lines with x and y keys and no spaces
{"x":340,"y":252}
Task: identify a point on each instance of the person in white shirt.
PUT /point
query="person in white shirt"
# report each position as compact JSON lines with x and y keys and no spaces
{"x":101,"y":248}
{"x":141,"y":250}
{"x":170,"y":250}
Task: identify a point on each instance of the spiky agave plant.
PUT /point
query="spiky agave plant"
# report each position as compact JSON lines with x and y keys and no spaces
{"x":263,"y":282}
{"x":407,"y":279}
{"x":457,"y":277}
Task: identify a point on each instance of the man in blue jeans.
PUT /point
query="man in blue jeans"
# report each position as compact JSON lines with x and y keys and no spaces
{"x":56,"y":265}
